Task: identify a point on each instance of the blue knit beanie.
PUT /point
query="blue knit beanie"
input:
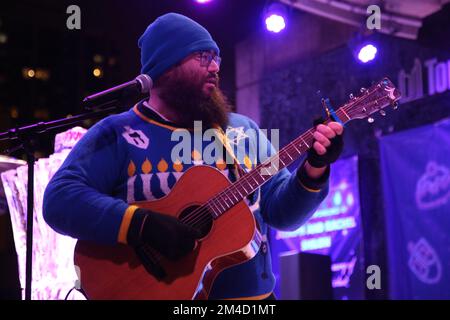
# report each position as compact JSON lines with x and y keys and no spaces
{"x":168,"y":40}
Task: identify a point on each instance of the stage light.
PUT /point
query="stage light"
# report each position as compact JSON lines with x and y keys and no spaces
{"x":367,"y":53}
{"x":203,"y":1}
{"x":97,"y":72}
{"x":42,"y":74}
{"x":365,"y":47}
{"x":275,"y":23}
{"x":3,"y":38}
{"x":14,"y":112}
{"x":275,"y":17}
{"x":28,"y":73}
{"x":98,"y":58}
{"x":112,"y":61}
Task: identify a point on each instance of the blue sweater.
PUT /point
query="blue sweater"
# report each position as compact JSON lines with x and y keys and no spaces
{"x":127,"y":157}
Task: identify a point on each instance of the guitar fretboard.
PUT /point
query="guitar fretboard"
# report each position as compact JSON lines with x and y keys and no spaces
{"x":263,"y":172}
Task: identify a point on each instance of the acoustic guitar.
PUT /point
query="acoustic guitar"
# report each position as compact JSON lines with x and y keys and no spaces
{"x":205,"y":199}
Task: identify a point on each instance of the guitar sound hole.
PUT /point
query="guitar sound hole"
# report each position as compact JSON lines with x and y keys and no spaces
{"x":200,"y":219}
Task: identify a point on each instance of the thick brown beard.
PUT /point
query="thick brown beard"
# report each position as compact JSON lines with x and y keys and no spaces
{"x":184,"y":94}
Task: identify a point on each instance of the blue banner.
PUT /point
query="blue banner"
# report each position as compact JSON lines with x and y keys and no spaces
{"x":334,"y":230}
{"x":416,"y":182}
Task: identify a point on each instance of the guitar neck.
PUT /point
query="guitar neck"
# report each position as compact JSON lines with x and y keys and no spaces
{"x":263,"y":172}
{"x":378,"y":96}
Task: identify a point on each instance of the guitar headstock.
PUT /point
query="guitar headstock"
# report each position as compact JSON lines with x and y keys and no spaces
{"x":371,"y":100}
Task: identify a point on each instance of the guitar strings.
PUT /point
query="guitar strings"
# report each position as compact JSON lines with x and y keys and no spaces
{"x":202,"y":214}
{"x":198,"y":214}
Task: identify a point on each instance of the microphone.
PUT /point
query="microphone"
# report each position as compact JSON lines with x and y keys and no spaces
{"x":141,"y":84}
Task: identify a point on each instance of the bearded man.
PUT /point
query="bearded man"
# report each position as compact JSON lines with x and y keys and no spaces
{"x":127,"y":158}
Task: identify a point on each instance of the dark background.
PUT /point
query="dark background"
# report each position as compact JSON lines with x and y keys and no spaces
{"x":38,"y":38}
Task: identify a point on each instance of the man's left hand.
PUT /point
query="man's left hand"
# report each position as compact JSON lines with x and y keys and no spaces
{"x":327,"y":147}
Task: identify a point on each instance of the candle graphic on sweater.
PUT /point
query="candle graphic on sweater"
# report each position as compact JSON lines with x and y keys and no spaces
{"x":196,"y":158}
{"x":222,"y":166}
{"x":131,"y":180}
{"x":146,"y":178}
{"x":248,"y":163}
{"x":178,"y":169}
{"x":163,"y":176}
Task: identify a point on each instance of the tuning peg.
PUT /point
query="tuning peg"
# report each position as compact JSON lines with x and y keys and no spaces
{"x":395,"y":105}
{"x":382,"y":112}
{"x":362,"y":90}
{"x":370,"y":120}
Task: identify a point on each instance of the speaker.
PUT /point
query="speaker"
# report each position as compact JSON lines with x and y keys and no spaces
{"x":305,"y":276}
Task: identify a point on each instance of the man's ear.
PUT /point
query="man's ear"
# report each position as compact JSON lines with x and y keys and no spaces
{"x":164,"y":77}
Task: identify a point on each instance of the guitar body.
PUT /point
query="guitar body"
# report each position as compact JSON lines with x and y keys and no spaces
{"x":116,"y":272}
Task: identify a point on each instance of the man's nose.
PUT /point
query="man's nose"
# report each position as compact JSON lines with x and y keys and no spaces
{"x":213,"y":67}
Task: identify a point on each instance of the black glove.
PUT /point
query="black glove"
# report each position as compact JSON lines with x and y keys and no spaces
{"x":334,"y":150}
{"x":169,"y":236}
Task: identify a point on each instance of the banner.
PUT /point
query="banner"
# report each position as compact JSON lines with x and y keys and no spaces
{"x":416,"y":183}
{"x":335,"y":229}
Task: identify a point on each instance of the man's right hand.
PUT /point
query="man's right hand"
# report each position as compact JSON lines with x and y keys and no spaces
{"x":169,"y":236}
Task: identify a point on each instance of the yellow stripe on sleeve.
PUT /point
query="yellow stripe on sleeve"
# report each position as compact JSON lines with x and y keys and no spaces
{"x":309,"y":189}
{"x":125,"y":225}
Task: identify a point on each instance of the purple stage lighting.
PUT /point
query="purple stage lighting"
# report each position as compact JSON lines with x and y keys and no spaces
{"x":367,"y":53}
{"x":203,"y":1}
{"x":275,"y":17}
{"x":275,"y":23}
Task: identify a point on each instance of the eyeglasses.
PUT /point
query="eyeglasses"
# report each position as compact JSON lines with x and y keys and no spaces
{"x":205,"y":58}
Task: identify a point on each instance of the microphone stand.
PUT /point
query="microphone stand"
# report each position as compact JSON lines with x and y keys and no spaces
{"x":25,"y":136}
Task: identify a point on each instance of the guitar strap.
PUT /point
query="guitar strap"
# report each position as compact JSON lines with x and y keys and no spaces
{"x":239,"y":172}
{"x":237,"y":169}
